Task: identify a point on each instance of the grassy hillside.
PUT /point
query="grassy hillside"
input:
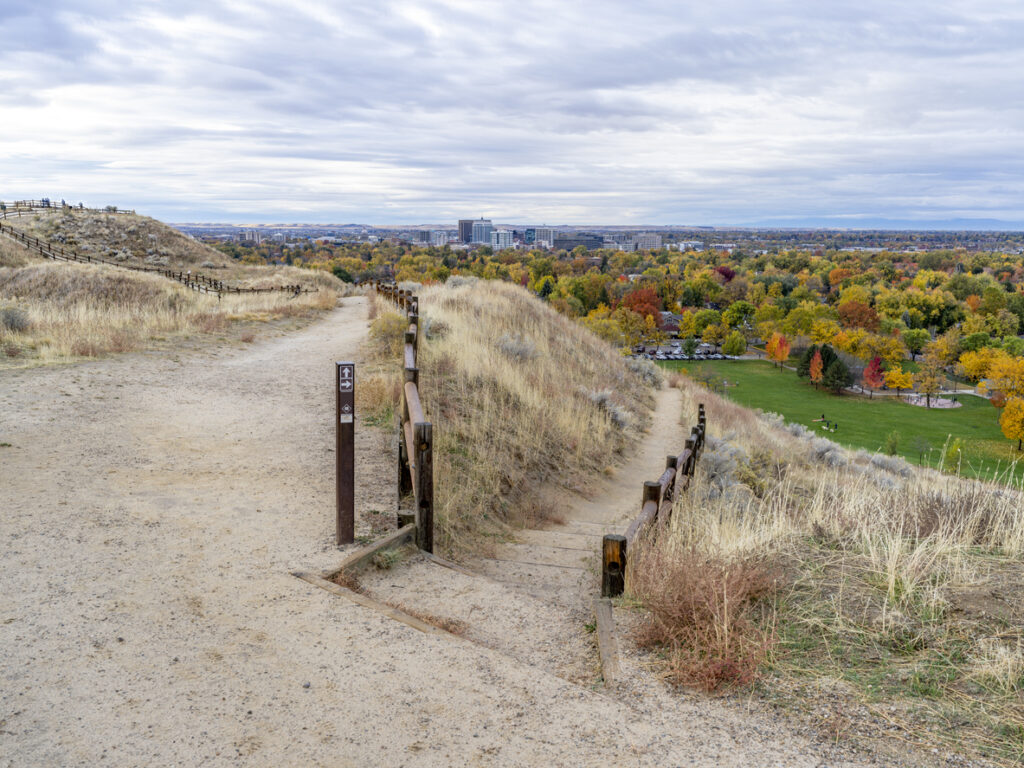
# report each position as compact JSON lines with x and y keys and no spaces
{"x":57,"y":311}
{"x":866,"y":423}
{"x":851,"y":587}
{"x":520,"y":397}
{"x":123,"y":237}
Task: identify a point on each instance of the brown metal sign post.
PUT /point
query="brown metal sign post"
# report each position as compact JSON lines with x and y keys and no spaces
{"x":345,"y":451}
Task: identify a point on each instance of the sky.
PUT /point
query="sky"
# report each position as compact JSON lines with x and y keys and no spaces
{"x":733,"y":112}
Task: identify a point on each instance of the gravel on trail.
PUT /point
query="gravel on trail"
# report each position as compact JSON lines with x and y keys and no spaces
{"x":152,"y":509}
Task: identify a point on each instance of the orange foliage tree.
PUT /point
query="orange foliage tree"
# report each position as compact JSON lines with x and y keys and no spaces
{"x":816,"y":368}
{"x":778,"y":348}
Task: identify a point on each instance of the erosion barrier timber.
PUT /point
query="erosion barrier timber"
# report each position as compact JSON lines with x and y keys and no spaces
{"x":415,"y":433}
{"x":655,"y":508}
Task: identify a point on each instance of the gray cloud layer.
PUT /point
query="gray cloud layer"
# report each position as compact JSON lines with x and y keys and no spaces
{"x":424,"y":110}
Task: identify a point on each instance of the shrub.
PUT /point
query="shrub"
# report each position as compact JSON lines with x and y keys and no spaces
{"x":648,"y":372}
{"x":892,"y":443}
{"x":702,"y":611}
{"x":15,"y":319}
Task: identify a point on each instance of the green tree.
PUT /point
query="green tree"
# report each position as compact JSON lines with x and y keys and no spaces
{"x":803,"y":367}
{"x":837,"y":376}
{"x":915,"y":339}
{"x":735,"y":345}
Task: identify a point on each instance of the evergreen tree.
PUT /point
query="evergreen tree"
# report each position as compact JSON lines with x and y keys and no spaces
{"x":837,"y":376}
{"x":803,"y":368}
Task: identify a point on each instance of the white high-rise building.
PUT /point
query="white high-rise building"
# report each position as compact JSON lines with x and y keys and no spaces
{"x":482,"y":229}
{"x":501,"y":239}
{"x":439,"y":237}
{"x":544,"y":237}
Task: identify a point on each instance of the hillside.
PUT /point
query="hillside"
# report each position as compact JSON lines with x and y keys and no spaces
{"x":850,"y":587}
{"x":128,"y":238}
{"x":53,"y":311}
{"x":521,"y":397}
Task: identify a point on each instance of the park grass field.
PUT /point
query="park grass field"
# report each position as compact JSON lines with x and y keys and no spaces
{"x":866,"y":423}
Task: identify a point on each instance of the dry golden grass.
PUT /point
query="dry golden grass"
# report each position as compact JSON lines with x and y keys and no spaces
{"x":900,"y":582}
{"x":519,"y":396}
{"x":75,"y":310}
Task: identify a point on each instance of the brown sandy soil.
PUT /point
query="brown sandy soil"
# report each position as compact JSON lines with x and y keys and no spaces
{"x":152,"y":508}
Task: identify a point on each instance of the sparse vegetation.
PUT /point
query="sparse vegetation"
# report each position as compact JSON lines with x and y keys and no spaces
{"x":520,"y":396}
{"x":57,"y":311}
{"x":892,"y":587}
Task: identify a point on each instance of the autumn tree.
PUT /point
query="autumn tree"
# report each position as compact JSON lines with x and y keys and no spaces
{"x":816,"y":368}
{"x":898,"y":379}
{"x":928,"y":379}
{"x":778,"y":348}
{"x":645,"y":302}
{"x":874,"y":375}
{"x":857,"y":314}
{"x":714,"y":334}
{"x":1012,"y":420}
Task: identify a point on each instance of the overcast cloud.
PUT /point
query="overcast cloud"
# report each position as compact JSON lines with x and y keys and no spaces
{"x":729,"y":112}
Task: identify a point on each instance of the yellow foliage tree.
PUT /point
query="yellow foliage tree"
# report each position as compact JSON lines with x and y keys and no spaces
{"x":1007,"y":375}
{"x":823,"y":331}
{"x":976,"y":365}
{"x":898,"y":379}
{"x":1012,"y":420}
{"x":928,"y":379}
{"x":687,"y":326}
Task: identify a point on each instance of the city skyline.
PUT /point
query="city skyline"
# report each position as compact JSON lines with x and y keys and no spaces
{"x":734,"y":115}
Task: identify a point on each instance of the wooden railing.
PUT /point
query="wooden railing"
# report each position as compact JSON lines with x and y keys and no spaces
{"x":655,"y":508}
{"x":415,"y":433}
{"x":196,"y":282}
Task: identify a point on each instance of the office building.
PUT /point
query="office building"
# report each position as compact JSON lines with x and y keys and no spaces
{"x":501,"y":239}
{"x":482,"y":229}
{"x":543,"y":237}
{"x":587,"y":240}
{"x":465,"y":230}
{"x":647,"y":242}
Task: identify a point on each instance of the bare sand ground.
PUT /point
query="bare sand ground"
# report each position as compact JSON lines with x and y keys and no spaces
{"x":152,"y":508}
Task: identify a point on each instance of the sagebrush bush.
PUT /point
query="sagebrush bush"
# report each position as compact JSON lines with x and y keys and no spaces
{"x":14,"y":319}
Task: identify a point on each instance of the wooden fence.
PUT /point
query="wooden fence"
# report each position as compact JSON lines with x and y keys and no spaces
{"x":196,"y":282}
{"x":655,"y":508}
{"x":415,"y":433}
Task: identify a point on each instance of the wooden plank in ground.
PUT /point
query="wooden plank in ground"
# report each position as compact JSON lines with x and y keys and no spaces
{"x":369,"y":602}
{"x":559,"y":538}
{"x":362,"y":557}
{"x":542,"y":554}
{"x":607,"y":644}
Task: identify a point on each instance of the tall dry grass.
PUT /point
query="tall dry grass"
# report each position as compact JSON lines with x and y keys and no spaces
{"x":520,"y":397}
{"x":891,"y":578}
{"x":71,"y":310}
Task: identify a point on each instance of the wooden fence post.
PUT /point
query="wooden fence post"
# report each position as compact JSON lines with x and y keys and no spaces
{"x":670,"y":463}
{"x":613,"y":565}
{"x":691,"y":461}
{"x":423,"y":437}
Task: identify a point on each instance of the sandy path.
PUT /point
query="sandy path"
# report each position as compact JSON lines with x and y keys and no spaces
{"x":151,"y":510}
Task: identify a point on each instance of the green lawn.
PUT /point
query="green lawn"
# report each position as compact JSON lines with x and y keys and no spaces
{"x":864,"y":422}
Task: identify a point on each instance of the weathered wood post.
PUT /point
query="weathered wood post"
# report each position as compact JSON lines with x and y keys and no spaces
{"x":670,"y":463}
{"x":613,"y":565}
{"x":691,"y":459}
{"x":423,"y":437}
{"x":652,"y":492}
{"x":345,"y":453}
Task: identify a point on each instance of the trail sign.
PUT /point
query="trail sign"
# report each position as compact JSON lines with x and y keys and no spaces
{"x":345,"y":451}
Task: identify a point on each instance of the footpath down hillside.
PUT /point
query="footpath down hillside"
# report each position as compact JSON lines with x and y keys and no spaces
{"x":154,"y":509}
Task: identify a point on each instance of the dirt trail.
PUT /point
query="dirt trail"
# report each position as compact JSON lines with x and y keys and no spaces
{"x":151,"y":511}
